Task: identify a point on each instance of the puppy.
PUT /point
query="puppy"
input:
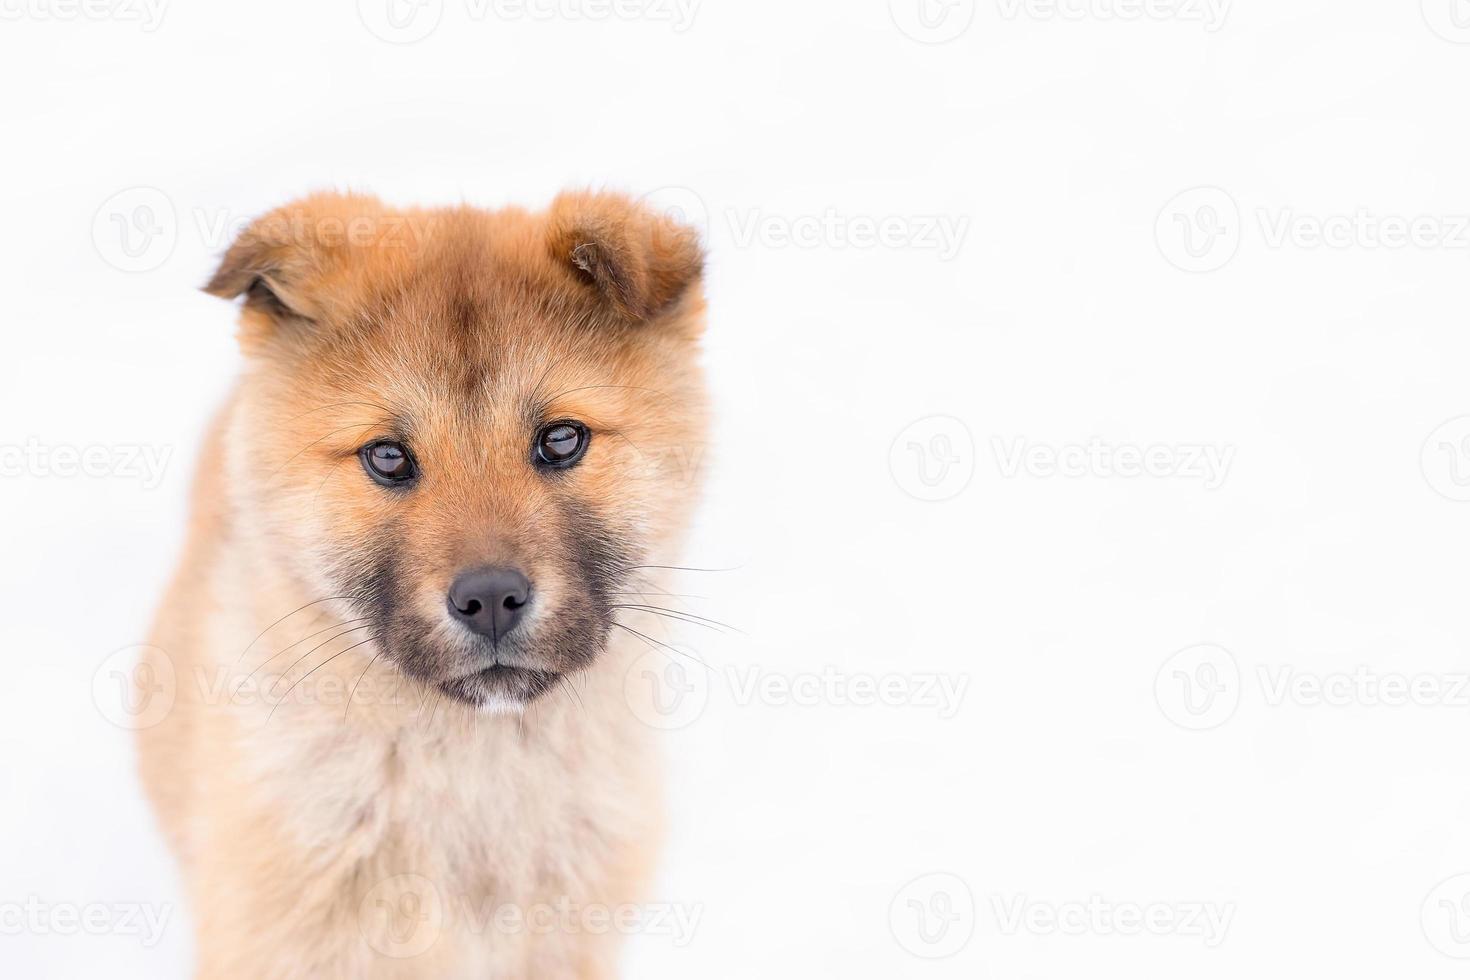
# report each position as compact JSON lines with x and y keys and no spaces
{"x":404,"y":740}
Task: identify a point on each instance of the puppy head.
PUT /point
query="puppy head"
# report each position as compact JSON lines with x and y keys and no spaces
{"x":472,"y":426}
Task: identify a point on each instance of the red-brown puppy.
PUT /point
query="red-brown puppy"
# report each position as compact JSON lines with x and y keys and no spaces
{"x":461,"y":442}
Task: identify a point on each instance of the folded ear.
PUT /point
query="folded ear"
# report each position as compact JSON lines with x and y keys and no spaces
{"x":288,"y":263}
{"x":642,"y":262}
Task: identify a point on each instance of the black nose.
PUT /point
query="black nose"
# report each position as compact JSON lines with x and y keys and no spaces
{"x":490,"y":600}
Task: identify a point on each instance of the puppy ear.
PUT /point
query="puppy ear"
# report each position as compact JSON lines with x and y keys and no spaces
{"x":287,"y":263}
{"x":642,"y":262}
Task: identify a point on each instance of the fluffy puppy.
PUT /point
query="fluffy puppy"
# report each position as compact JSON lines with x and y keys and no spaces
{"x":461,"y":447}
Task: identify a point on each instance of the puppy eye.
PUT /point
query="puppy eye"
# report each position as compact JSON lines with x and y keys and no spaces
{"x":388,"y":463}
{"x":561,"y":444}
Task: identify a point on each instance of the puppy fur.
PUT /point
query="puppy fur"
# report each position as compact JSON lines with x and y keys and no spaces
{"x":321,"y":831}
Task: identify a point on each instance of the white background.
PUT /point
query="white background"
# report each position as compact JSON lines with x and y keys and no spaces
{"x":872,"y":397}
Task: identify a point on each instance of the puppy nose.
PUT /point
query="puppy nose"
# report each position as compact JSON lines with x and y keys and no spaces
{"x":490,"y":600}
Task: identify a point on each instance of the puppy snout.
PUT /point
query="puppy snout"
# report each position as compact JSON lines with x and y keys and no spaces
{"x":490,"y":601}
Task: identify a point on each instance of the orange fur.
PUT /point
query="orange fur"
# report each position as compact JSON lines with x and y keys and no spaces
{"x":303,"y":821}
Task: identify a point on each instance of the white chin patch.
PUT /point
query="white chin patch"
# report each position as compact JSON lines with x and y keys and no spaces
{"x":498,"y":704}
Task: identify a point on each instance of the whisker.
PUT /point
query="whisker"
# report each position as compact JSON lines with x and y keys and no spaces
{"x":287,"y":672}
{"x":679,"y":614}
{"x":288,"y":615}
{"x":316,"y":496}
{"x":683,"y":568}
{"x":569,"y":690}
{"x":313,"y":671}
{"x":650,"y":639}
{"x":542,"y":380}
{"x":367,"y":425}
{"x":308,"y":636}
{"x":671,"y":595}
{"x":353,"y":693}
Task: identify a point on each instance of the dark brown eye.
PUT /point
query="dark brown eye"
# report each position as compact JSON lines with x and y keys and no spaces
{"x":561,"y":444}
{"x":388,"y":463}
